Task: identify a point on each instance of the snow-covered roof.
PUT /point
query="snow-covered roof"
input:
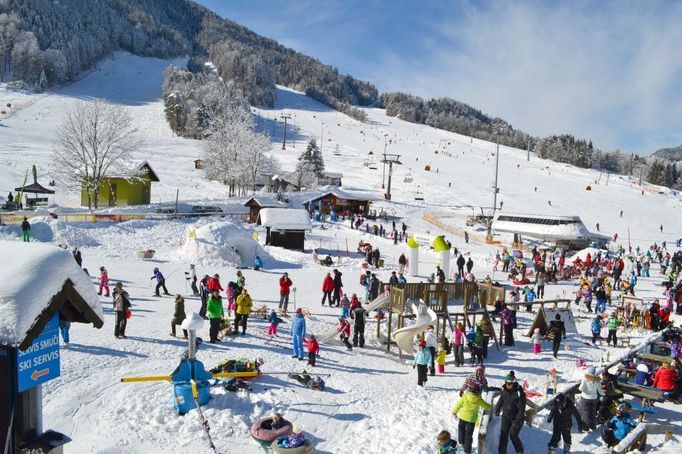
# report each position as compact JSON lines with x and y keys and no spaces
{"x":341,"y":194}
{"x":33,"y":274}
{"x":266,"y":201}
{"x":332,"y":174}
{"x":285,"y":219}
{"x":545,"y":227}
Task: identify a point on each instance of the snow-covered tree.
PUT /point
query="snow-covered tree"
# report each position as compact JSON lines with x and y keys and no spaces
{"x":94,"y":141}
{"x":234,"y":152}
{"x":310,"y":166}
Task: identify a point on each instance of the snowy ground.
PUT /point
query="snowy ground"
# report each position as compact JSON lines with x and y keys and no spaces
{"x":372,"y":404}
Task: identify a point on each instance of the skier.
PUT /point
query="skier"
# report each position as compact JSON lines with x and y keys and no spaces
{"x":179,"y":315}
{"x":297,"y":334}
{"x":359,"y":314}
{"x":284,"y":289}
{"x":193,"y":277}
{"x":562,"y":414}
{"x":612,"y":326}
{"x":512,"y":405}
{"x":103,"y":281}
{"x":160,"y":282}
{"x":121,"y":304}
{"x":26,"y":230}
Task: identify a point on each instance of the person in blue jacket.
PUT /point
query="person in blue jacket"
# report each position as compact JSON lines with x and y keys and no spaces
{"x":160,"y":282}
{"x":422,"y":359}
{"x":297,"y":333}
{"x":619,"y":426}
{"x":596,"y":327}
{"x":257,"y":264}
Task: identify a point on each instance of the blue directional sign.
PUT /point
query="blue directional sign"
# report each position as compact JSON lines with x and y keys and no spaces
{"x":39,"y":363}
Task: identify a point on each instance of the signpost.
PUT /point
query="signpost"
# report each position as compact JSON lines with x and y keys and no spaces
{"x":40,"y":362}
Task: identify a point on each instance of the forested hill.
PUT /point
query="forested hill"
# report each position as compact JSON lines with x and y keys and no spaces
{"x":46,"y":42}
{"x":670,"y":154}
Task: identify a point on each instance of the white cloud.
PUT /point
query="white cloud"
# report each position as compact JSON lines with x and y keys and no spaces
{"x":610,"y":72}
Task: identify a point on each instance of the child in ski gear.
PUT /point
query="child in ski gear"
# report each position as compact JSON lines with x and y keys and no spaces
{"x":344,"y":332}
{"x":431,"y":341}
{"x":313,"y":349}
{"x":160,"y":282}
{"x":257,"y":264}
{"x":446,"y":445}
{"x":213,"y":284}
{"x":26,"y":230}
{"x":422,"y":359}
{"x":214,"y":309}
{"x":241,"y":315}
{"x":297,"y":333}
{"x":345,"y":306}
{"x":643,"y":374}
{"x":477,"y":377}
{"x":619,"y":427}
{"x":562,"y":414}
{"x":284,"y":290}
{"x":204,"y":294}
{"x":354,"y":301}
{"x":512,"y":406}
{"x":232,"y":292}
{"x":295,"y":440}
{"x":596,"y":328}
{"x":467,"y":407}
{"x":178,"y":315}
{"x":458,"y":344}
{"x":274,"y":321}
{"x":537,"y":341}
{"x":103,"y":281}
{"x":440,"y":360}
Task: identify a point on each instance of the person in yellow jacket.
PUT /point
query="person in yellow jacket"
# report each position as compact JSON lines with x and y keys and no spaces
{"x":440,"y":360}
{"x":467,"y":407}
{"x":244,"y":304}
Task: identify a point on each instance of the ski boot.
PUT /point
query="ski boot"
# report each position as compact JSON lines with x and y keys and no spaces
{"x":551,"y":450}
{"x":567,"y":449}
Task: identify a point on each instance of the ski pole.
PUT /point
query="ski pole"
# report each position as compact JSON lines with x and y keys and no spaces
{"x":204,"y":421}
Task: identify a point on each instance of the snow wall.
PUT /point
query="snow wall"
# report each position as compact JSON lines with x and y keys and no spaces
{"x":212,"y":244}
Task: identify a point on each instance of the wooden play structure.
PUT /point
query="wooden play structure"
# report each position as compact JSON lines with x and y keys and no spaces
{"x":452,"y":303}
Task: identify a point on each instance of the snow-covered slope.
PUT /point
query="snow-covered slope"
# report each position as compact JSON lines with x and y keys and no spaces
{"x":372,"y":403}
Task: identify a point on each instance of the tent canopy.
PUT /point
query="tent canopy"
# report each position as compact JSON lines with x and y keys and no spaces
{"x":35,"y":188}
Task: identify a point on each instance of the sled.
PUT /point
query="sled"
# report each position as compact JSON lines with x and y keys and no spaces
{"x":146,"y":255}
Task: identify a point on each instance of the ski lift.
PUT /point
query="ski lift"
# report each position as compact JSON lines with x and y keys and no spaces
{"x":373,"y":166}
{"x":418,"y":195}
{"x":427,"y":168}
{"x":409,"y":178}
{"x":337,"y":152}
{"x":370,"y":153}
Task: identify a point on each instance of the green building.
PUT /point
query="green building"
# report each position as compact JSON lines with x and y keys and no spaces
{"x":120,"y":191}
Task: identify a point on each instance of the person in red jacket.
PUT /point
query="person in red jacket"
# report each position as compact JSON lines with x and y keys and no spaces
{"x":313,"y":349}
{"x":103,"y":281}
{"x":354,"y":301}
{"x":327,"y":288}
{"x":344,"y":332}
{"x":213,"y":284}
{"x":284,"y":290}
{"x":665,"y":378}
{"x":663,"y":317}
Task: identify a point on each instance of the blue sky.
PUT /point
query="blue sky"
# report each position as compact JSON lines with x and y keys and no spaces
{"x":608,"y":71}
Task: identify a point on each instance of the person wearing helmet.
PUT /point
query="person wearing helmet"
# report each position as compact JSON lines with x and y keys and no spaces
{"x":619,"y":426}
{"x":344,"y":332}
{"x":562,"y":413}
{"x":160,"y":282}
{"x":512,"y":406}
{"x":477,"y":377}
{"x":467,"y":409}
{"x":297,"y":333}
{"x":591,"y":390}
{"x":422,"y":360}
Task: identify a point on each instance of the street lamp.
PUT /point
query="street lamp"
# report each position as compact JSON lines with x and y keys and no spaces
{"x":489,"y":236}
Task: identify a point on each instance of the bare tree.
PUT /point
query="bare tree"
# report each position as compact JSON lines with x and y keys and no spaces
{"x":94,"y":141}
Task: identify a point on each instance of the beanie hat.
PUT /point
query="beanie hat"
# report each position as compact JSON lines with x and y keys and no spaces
{"x":299,"y":310}
{"x":510,"y":377}
{"x":591,"y":370}
{"x":557,"y":317}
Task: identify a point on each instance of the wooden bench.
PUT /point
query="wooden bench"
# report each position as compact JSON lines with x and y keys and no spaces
{"x":654,"y":358}
{"x":636,"y":439}
{"x":666,"y":429}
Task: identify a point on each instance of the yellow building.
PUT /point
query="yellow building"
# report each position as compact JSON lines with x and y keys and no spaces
{"x":120,"y":191}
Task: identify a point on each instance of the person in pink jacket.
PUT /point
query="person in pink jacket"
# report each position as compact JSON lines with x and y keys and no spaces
{"x":458,"y":340}
{"x":103,"y":281}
